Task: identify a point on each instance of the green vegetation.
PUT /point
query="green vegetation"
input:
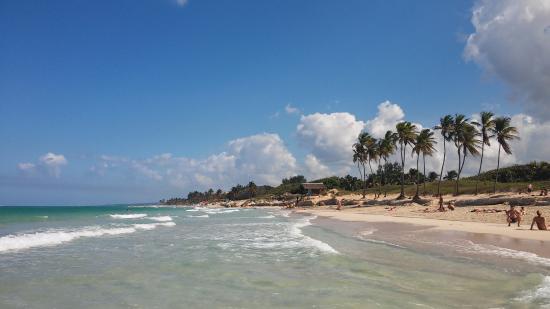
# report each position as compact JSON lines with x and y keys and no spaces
{"x":513,"y":178}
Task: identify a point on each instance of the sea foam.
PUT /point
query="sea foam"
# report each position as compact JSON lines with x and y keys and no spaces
{"x":56,"y":237}
{"x":161,"y":218}
{"x":540,"y":294}
{"x":509,"y":253}
{"x":200,"y":216}
{"x":128,"y":216}
{"x":296,"y":230}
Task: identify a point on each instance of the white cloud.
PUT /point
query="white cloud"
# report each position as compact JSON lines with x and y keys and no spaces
{"x":289,"y":109}
{"x":388,"y":116}
{"x":512,"y":41}
{"x":330,"y":137}
{"x":50,"y":164}
{"x":182,"y":3}
{"x":315,"y":169}
{"x":262,"y":158}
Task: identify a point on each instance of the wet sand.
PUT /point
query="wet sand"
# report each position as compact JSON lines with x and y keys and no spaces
{"x":436,"y":235}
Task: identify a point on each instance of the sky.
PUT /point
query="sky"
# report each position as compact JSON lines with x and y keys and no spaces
{"x":133,"y":101}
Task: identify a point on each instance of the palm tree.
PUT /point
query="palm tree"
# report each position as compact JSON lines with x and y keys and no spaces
{"x":470,"y":145}
{"x":359,"y":158}
{"x":451,"y":175}
{"x":504,"y":133}
{"x":445,"y":126}
{"x":457,"y":136}
{"x":386,"y":148}
{"x":406,"y":134}
{"x":484,"y":125}
{"x":424,"y":145}
{"x":371,"y":150}
{"x":252,"y":189}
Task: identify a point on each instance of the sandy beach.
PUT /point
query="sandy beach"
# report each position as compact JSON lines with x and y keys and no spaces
{"x":473,"y":223}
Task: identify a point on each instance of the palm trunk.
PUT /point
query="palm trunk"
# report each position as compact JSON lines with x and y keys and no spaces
{"x":381,"y":178}
{"x":480,"y":164}
{"x":364,"y":180}
{"x":498,"y":165}
{"x":373,"y":177}
{"x":442,"y":165}
{"x":458,"y":176}
{"x":384,"y":175}
{"x":361,"y":176}
{"x":402,"y":195}
{"x":424,"y":179}
{"x":416,"y":196}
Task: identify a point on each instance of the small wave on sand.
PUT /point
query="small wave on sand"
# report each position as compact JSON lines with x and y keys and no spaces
{"x":296,"y":230}
{"x":540,"y":295}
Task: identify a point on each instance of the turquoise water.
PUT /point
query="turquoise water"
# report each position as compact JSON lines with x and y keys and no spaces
{"x":164,"y":257}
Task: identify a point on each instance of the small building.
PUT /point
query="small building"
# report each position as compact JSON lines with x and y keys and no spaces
{"x":314,"y":188}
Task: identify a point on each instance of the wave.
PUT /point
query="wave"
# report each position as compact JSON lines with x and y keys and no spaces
{"x":193,"y":209}
{"x":382,"y":242}
{"x":540,"y":294}
{"x":214,"y":211}
{"x":200,"y":216}
{"x":128,"y":216}
{"x":151,"y":226}
{"x":296,"y":230}
{"x":266,"y":217}
{"x":509,"y":253}
{"x":161,"y":218}
{"x":55,"y":237}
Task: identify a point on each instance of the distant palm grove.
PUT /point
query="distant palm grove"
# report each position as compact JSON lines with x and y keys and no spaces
{"x":467,"y":138}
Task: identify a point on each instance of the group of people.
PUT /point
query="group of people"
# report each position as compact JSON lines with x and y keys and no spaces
{"x":515,"y":216}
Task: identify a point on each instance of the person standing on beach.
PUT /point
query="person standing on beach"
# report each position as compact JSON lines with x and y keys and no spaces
{"x":540,"y":221}
{"x":529,"y":189}
{"x":339,"y":203}
{"x":441,"y":207}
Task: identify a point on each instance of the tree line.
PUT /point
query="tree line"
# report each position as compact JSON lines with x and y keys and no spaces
{"x":468,"y":137}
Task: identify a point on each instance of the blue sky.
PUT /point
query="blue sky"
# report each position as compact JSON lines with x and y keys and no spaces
{"x":136,"y":79}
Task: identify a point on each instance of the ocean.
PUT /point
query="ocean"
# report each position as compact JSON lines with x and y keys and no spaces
{"x":154,"y":256}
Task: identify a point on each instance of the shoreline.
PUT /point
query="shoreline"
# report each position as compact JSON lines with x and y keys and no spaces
{"x":416,"y":229}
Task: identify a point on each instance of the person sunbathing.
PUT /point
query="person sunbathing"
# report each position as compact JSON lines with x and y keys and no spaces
{"x":513,"y":216}
{"x":540,"y":221}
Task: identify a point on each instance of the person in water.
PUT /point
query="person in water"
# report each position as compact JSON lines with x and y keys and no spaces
{"x":540,"y":221}
{"x":513,"y":216}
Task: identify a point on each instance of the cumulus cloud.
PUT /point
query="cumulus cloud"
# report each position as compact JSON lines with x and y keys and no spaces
{"x":512,"y":41}
{"x":330,"y":137}
{"x":49,"y":164}
{"x":315,"y":169}
{"x":388,"y":116}
{"x":262,"y":158}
